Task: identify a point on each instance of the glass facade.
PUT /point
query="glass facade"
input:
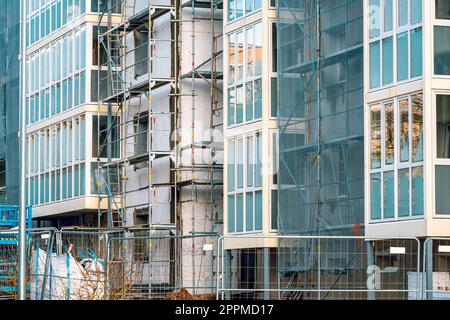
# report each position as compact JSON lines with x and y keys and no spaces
{"x":321,"y":121}
{"x":9,"y":101}
{"x":385,"y":28}
{"x":44,"y":17}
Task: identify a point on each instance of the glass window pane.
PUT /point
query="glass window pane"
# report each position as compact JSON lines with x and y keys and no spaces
{"x":388,"y":5}
{"x":231,"y":219}
{"x":231,"y":165}
{"x":388,"y":61}
{"x":417,"y":127}
{"x":249,"y":6}
{"x":240,"y":56}
{"x":250,"y":161}
{"x":404,"y":129}
{"x":274,"y":210}
{"x":375,"y":196}
{"x":402,"y":12}
{"x":250,"y":52}
{"x":375,"y":136}
{"x":249,"y":211}
{"x":258,"y":99}
{"x":258,"y":169}
{"x":442,"y":9}
{"x":239,"y":8}
{"x":388,"y":194}
{"x":239,"y":104}
{"x":231,"y":107}
{"x":443,"y":126}
{"x":416,"y":11}
{"x":374,"y":18}
{"x":231,"y":58}
{"x":441,"y":189}
{"x":231,"y":10}
{"x":403,"y":193}
{"x":416,"y":52}
{"x":389,"y":133}
{"x":258,"y":210}
{"x":240,"y":159}
{"x":441,"y":50}
{"x":249,"y":101}
{"x":374,"y":64}
{"x":239,"y":213}
{"x":417,"y":191}
{"x":402,"y":56}
{"x":258,"y":49}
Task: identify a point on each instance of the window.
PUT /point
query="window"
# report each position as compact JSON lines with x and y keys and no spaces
{"x":396,"y":178}
{"x":375,"y":136}
{"x":405,"y":31}
{"x":443,"y":126}
{"x":442,"y":174}
{"x":442,"y":8}
{"x":244,"y":186}
{"x":239,"y":8}
{"x":441,"y":50}
{"x":244,"y":76}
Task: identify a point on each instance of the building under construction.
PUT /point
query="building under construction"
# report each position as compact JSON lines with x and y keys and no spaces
{"x":160,"y":147}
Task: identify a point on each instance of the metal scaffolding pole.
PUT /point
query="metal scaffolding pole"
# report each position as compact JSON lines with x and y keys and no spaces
{"x":22,"y":210}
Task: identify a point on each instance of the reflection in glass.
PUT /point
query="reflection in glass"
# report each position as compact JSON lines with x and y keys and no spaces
{"x":239,"y":104}
{"x":249,"y":101}
{"x":404,"y":129}
{"x":374,"y":18}
{"x":389,"y":133}
{"x":258,"y":49}
{"x":240,"y":56}
{"x":249,"y":52}
{"x":231,"y":106}
{"x":417,"y":127}
{"x":375,"y":136}
{"x":231,"y":58}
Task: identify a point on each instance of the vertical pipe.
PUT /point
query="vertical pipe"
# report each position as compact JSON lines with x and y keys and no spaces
{"x":192,"y":141}
{"x":22,"y":211}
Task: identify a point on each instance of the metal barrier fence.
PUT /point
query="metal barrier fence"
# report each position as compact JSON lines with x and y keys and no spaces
{"x":162,"y":266}
{"x":304,"y":268}
{"x":436,"y":267}
{"x":82,"y":264}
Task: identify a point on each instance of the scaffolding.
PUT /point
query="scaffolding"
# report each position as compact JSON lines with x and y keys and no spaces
{"x":154,"y":169}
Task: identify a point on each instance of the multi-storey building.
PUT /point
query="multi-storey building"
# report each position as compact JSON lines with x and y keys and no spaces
{"x":61,"y":110}
{"x":406,"y":81}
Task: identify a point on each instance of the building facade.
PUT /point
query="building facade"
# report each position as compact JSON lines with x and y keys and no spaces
{"x":407,"y":145}
{"x":61,"y":110}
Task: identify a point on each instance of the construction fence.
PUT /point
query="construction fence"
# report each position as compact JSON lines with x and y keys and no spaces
{"x":156,"y":264}
{"x":333,"y":268}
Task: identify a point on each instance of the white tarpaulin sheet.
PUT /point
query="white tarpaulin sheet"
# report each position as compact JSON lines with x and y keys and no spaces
{"x":66,"y":278}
